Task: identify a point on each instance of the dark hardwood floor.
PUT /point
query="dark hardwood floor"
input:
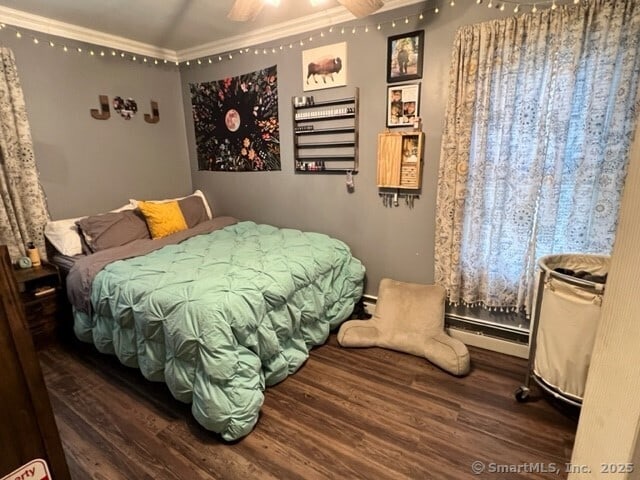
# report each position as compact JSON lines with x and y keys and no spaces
{"x":346,"y":414}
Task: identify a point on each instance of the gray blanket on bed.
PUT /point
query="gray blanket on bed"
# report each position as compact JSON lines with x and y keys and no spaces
{"x":85,"y":269}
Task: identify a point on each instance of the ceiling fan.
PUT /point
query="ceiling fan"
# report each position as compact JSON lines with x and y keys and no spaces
{"x":244,"y":10}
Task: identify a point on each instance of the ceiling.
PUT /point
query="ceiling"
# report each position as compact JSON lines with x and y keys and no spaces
{"x":172,"y":29}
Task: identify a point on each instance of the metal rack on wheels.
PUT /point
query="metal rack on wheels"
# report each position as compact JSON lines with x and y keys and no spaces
{"x":564,"y":323}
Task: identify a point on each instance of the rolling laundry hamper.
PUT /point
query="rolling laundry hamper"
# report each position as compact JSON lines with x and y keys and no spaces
{"x":566,"y":314}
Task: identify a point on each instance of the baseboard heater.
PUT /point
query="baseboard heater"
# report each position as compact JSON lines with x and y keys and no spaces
{"x":491,"y":326}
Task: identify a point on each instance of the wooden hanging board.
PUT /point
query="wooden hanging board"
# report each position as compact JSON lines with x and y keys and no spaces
{"x":400,"y":160}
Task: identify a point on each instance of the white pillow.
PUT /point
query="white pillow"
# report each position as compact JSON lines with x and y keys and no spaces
{"x":197,"y":193}
{"x":64,"y":234}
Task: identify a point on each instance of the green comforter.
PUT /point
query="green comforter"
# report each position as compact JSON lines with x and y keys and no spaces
{"x":221,"y":315}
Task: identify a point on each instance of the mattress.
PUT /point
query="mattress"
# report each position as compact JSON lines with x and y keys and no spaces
{"x":221,"y":315}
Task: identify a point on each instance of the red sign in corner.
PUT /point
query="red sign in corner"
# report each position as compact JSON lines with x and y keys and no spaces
{"x":34,"y":470}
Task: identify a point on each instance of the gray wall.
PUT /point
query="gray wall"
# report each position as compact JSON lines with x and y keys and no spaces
{"x":391,"y":242}
{"x":86,"y":165}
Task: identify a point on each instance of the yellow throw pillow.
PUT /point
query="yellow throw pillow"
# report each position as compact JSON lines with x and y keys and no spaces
{"x":163,"y":218}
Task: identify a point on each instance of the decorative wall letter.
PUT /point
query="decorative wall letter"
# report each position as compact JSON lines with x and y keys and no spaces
{"x":104,"y":113}
{"x":155,"y":113}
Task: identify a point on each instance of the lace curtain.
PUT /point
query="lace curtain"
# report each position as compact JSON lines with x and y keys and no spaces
{"x":23,"y":211}
{"x":540,"y":116}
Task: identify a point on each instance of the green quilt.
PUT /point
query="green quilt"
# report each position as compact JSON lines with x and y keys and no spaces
{"x":219,"y":316}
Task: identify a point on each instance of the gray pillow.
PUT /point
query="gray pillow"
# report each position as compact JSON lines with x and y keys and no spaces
{"x":193,"y":210}
{"x":112,"y":229}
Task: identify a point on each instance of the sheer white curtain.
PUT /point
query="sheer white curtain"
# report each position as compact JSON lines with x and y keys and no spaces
{"x":23,"y":211}
{"x":540,"y":115}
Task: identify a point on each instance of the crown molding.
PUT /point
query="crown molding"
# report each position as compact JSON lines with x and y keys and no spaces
{"x":56,"y":28}
{"x":325,"y":19}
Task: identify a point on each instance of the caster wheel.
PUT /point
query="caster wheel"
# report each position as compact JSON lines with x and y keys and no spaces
{"x":522,"y":394}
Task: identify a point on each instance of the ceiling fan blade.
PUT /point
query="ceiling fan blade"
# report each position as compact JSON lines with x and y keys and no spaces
{"x":362,"y":8}
{"x":244,"y":10}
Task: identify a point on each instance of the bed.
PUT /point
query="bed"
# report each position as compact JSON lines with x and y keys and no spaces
{"x":218,"y":311}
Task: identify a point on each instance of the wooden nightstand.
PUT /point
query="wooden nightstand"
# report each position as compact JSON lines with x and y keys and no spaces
{"x":40,"y":294}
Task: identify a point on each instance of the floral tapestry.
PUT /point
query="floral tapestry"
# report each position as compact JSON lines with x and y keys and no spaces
{"x":236,"y":122}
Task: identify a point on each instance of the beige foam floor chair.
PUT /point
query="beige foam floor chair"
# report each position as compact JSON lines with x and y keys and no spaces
{"x":409,"y":317}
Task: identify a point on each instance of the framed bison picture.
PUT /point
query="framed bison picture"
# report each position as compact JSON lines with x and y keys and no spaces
{"x":324,"y":67}
{"x":404,"y":56}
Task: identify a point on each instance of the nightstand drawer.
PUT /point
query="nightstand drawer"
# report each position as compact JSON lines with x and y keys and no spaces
{"x":37,"y":310}
{"x":41,"y":311}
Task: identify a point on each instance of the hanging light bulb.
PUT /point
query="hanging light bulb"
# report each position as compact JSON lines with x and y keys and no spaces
{"x":553,"y":6}
{"x":199,"y":62}
{"x":436,"y":10}
{"x":453,"y":3}
{"x":478,"y":2}
{"x":65,"y":49}
{"x":379,"y":27}
{"x":330,"y":29}
{"x":342,"y":31}
{"x":219,"y":58}
{"x":79,"y":50}
{"x":322,"y":34}
{"x":534,"y":9}
{"x":113,"y":53}
{"x":517,"y":9}
{"x":264,"y":52}
{"x":273,"y":50}
{"x":502,"y":7}
{"x":18,"y":34}
{"x":393,"y":24}
{"x":230,"y":57}
{"x":155,"y":61}
{"x":406,"y":20}
{"x":36,"y":41}
{"x":102,"y":53}
{"x":122,"y":54}
{"x":210,"y":61}
{"x":490,"y":4}
{"x":92,"y":53}
{"x":51,"y":44}
{"x":134,"y":58}
{"x":421,"y":16}
{"x":353,"y":30}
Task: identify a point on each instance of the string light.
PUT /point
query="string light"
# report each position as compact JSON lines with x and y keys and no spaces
{"x":392,"y":23}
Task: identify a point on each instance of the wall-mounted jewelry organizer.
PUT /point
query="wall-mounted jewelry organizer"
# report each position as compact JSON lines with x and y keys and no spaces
{"x":325,"y":135}
{"x":399,"y":172}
